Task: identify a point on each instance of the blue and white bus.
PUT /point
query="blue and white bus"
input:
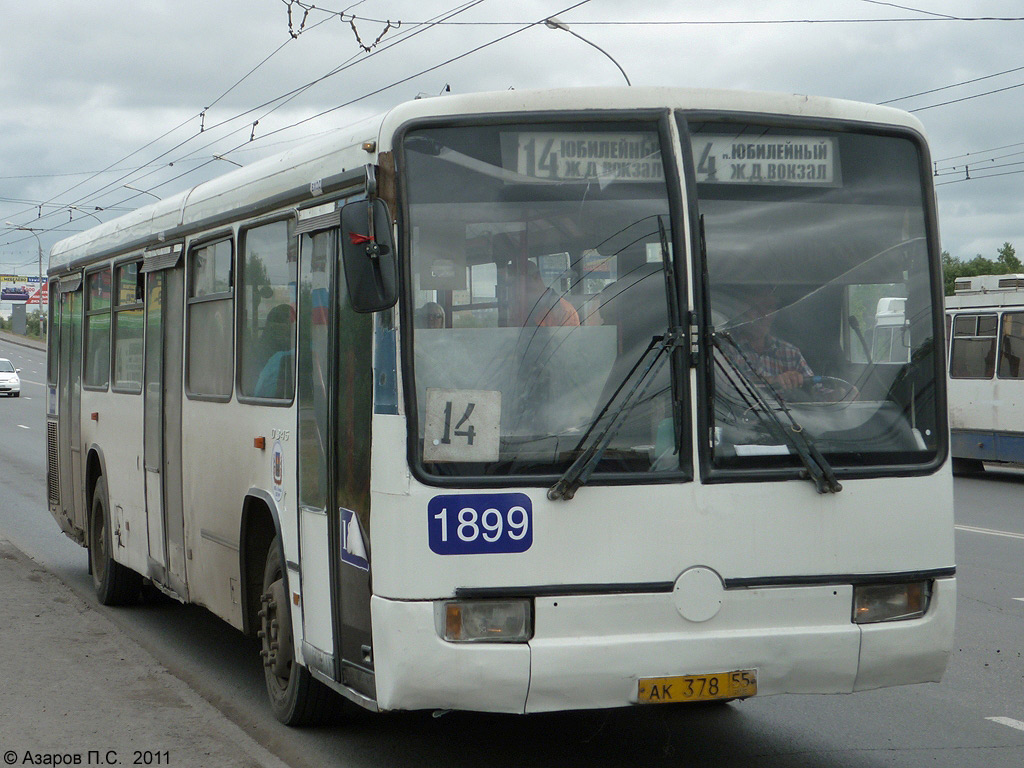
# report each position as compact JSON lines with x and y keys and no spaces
{"x":985,"y":338}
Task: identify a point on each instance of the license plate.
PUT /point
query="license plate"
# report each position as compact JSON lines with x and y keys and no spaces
{"x":720,"y":685}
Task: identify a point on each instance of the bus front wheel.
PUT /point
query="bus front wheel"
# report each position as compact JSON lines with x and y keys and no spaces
{"x":295,"y":697}
{"x":114,"y":583}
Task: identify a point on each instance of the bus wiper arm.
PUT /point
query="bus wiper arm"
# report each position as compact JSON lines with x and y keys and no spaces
{"x":581,"y":469}
{"x":819,"y":471}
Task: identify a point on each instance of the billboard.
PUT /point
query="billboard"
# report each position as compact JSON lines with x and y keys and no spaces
{"x":20,"y":289}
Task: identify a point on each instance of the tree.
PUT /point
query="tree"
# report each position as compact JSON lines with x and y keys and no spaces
{"x":1008,"y":258}
{"x":1006,"y":262}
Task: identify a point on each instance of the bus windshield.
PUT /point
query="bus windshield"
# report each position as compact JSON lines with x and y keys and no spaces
{"x":820,"y":296}
{"x":536,"y":261}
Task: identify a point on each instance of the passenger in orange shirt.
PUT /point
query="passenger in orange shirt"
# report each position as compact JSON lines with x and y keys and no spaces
{"x":545,"y":307}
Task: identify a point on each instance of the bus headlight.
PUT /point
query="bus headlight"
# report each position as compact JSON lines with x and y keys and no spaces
{"x":890,"y":602}
{"x":485,"y":621}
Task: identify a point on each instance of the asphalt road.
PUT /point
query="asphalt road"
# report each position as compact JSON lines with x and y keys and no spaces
{"x":975,"y":717}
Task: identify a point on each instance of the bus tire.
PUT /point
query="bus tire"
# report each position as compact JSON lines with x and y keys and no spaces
{"x":295,"y":696}
{"x":114,"y":583}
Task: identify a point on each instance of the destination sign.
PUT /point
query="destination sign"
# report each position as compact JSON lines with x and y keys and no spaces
{"x":799,"y":161}
{"x":604,"y":157}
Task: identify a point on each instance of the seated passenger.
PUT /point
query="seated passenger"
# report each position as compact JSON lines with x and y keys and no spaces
{"x":430,"y":315}
{"x":274,"y":380}
{"x":544,"y":307}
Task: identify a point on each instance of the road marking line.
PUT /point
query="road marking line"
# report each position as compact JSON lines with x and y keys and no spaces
{"x":989,"y":531}
{"x":1019,"y":598}
{"x":24,"y":427}
{"x":1007,"y":721}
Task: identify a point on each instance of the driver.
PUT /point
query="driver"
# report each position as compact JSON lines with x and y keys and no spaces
{"x":781,"y":364}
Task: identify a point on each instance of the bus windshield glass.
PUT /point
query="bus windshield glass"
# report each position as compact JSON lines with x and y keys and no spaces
{"x":817,"y":261}
{"x":536,"y":264}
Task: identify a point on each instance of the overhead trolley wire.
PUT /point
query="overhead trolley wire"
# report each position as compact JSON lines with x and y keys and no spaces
{"x":284,"y":99}
{"x":185,"y":122}
{"x":397,"y":82}
{"x":906,"y":8}
{"x":348,"y":63}
{"x":953,"y":85}
{"x":967,"y":98}
{"x":980,"y":175}
{"x":982,"y":151}
{"x":288,"y":95}
{"x":478,"y":48}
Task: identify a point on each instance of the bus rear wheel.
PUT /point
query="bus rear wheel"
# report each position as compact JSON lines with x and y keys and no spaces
{"x":114,"y":583}
{"x":295,"y":697}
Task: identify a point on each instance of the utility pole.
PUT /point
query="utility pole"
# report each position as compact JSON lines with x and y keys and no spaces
{"x":39,"y":244}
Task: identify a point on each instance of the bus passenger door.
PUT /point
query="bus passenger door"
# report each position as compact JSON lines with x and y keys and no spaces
{"x":162,"y":424}
{"x":74,"y":505}
{"x":333,"y":562}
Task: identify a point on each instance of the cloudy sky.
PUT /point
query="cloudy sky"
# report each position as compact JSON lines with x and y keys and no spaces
{"x":99,"y":97}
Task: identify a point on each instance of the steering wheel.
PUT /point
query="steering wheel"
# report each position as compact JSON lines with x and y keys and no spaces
{"x":827,"y":389}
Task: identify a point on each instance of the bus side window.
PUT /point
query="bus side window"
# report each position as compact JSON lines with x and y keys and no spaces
{"x":129,"y":324}
{"x":974,"y":347}
{"x":97,"y":330}
{"x":1011,"y":346}
{"x":267,"y":280}
{"x":210,"y":321}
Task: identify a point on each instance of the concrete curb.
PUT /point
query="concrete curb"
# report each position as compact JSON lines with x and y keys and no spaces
{"x":75,"y":685}
{"x":23,"y":341}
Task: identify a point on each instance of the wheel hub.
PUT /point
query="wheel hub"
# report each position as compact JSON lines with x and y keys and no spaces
{"x":276,"y":630}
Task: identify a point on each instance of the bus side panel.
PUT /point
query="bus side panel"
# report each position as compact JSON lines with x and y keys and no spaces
{"x":970,"y":405}
{"x":217,"y":435}
{"x":117,"y":434}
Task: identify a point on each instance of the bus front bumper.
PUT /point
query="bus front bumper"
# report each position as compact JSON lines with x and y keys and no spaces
{"x":591,"y":651}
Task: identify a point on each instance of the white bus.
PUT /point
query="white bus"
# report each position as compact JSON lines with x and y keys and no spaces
{"x":476,"y":406}
{"x":985,"y":338}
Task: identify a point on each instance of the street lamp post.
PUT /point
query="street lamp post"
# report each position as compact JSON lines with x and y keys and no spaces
{"x":39,"y":244}
{"x":552,"y":23}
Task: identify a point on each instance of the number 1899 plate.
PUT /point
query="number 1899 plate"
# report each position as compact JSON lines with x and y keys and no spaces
{"x":720,"y":685}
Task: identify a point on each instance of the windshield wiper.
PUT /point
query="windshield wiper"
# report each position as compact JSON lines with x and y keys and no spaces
{"x":819,"y":471}
{"x":583,"y":467}
{"x":664,"y":348}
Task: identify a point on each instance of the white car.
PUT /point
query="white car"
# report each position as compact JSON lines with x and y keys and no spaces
{"x":10,"y":382}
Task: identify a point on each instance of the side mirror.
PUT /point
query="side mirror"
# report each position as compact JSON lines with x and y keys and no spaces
{"x":368,"y":253}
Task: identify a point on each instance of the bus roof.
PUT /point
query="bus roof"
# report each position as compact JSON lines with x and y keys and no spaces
{"x":336,"y":159}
